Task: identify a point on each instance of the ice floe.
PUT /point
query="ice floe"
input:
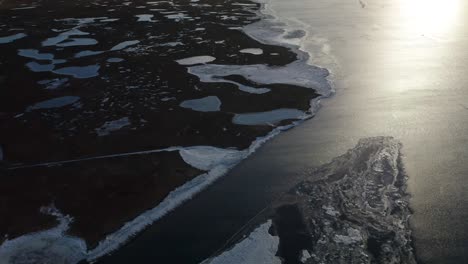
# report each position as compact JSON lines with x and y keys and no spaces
{"x":145,"y":18}
{"x":86,"y":53}
{"x":196,"y":60}
{"x":205,"y":104}
{"x":53,"y":41}
{"x":124,"y":45}
{"x":296,"y":73}
{"x":35,"y":54}
{"x":268,"y":117}
{"x":54,"y":103}
{"x":81,"y":21}
{"x":111,"y":126}
{"x":48,"y":246}
{"x":178,"y":16}
{"x":252,"y":51}
{"x":80,"y":72}
{"x":54,"y":83}
{"x":115,"y":60}
{"x":258,"y":247}
{"x":172,"y":44}
{"x":37,"y":67}
{"x":206,"y":157}
{"x":78,"y":42}
{"x":9,"y":39}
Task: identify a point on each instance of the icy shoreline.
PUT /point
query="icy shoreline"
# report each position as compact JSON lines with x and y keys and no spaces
{"x":269,"y":30}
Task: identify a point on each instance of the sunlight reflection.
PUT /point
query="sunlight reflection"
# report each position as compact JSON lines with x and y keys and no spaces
{"x":429,"y":17}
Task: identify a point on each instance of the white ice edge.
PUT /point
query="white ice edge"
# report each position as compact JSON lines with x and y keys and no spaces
{"x":203,"y":157}
{"x":259,"y":247}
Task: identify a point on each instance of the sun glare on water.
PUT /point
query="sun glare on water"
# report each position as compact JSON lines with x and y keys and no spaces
{"x":430,"y":17}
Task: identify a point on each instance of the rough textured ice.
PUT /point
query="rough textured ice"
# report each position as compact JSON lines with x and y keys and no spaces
{"x":267,"y":118}
{"x":205,"y":104}
{"x":196,"y":60}
{"x":55,"y":103}
{"x":259,"y":247}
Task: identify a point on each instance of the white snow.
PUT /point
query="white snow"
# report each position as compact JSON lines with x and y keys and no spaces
{"x":252,"y":51}
{"x":259,"y":247}
{"x":196,"y":60}
{"x":205,"y":104}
